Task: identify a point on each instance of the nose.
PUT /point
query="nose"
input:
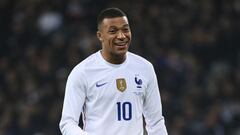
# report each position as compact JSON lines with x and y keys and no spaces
{"x":121,"y":35}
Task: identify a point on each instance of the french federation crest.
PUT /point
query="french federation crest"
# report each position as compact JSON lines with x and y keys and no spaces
{"x":121,"y":84}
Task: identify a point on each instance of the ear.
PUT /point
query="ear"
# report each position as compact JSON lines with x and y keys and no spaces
{"x":99,"y":35}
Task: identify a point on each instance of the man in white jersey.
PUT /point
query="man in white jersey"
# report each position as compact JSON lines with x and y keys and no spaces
{"x":113,"y":88}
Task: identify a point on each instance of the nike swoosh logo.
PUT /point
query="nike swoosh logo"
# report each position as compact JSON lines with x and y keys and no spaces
{"x":99,"y":85}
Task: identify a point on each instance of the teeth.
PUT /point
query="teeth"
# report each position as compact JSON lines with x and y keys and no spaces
{"x":123,"y":43}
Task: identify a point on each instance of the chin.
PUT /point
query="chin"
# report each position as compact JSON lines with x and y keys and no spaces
{"x":121,"y":53}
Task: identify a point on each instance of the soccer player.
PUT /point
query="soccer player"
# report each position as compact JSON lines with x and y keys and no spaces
{"x":113,"y":88}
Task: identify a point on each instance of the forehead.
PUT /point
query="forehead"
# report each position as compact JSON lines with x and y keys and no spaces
{"x":117,"y":22}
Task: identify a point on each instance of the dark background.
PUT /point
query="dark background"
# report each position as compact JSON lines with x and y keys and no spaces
{"x":193,"y":45}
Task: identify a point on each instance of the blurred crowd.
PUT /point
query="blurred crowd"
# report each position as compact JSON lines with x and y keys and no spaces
{"x":193,"y":44}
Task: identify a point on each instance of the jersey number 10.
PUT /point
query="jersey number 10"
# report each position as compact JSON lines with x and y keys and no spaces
{"x":124,"y":111}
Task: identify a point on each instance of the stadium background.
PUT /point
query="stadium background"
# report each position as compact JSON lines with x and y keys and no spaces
{"x":193,"y":44}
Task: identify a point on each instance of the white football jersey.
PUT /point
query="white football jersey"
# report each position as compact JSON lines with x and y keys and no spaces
{"x":112,"y":98}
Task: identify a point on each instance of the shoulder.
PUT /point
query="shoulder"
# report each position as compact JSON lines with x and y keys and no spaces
{"x":139,"y":60}
{"x":141,"y":66}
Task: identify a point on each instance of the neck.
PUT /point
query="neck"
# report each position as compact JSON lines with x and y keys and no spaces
{"x":114,"y":59}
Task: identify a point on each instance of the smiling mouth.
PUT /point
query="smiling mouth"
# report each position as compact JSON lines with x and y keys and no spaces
{"x":121,"y":43}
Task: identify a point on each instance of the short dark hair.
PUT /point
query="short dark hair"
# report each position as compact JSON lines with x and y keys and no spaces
{"x":109,"y":13}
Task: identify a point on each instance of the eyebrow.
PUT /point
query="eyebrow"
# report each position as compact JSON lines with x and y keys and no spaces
{"x":125,"y":25}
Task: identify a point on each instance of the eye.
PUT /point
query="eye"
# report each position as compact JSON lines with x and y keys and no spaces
{"x":112,"y":31}
{"x":126,"y":29}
